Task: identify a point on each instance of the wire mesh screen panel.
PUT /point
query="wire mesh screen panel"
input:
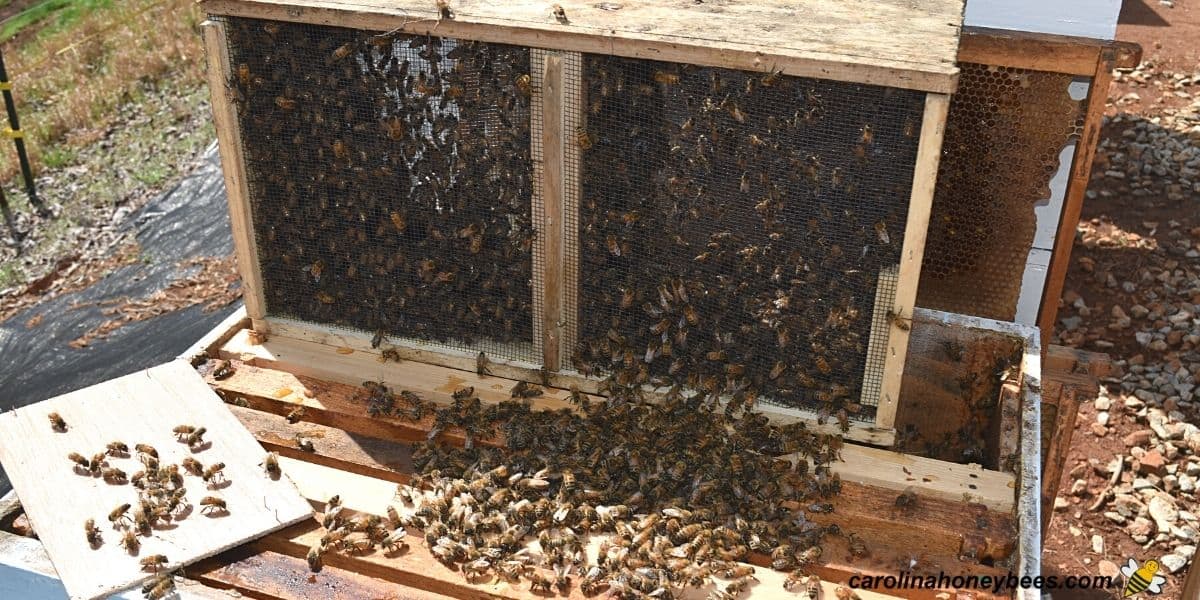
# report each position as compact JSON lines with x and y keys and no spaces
{"x":390,"y":181}
{"x":737,"y":230}
{"x":1005,"y":133}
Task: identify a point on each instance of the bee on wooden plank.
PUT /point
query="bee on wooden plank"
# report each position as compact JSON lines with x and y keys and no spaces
{"x":92,"y":533}
{"x":214,"y":472}
{"x":271,"y":464}
{"x":130,"y":542}
{"x":159,"y":587}
{"x":213,"y":505}
{"x":117,"y":449}
{"x":223,"y":370}
{"x":154,"y":562}
{"x":193,"y":466}
{"x":56,"y":422}
{"x":295,"y":414}
{"x":304,"y":444}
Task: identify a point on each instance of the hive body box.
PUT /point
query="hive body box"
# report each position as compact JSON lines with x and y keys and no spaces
{"x":731,"y":196}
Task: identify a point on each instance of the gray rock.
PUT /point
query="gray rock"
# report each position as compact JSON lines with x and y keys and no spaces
{"x":1164,"y":512}
{"x":1173,"y":562}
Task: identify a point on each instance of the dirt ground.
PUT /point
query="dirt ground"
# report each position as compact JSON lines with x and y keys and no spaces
{"x":1135,"y":233}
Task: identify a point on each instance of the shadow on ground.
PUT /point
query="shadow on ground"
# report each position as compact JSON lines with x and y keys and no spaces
{"x":188,"y":220}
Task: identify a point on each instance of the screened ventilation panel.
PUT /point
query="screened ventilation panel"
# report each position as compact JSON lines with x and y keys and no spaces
{"x":738,"y":230}
{"x":390,"y":181}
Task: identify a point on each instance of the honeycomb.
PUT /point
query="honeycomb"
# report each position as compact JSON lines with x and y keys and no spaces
{"x":1004,"y":134}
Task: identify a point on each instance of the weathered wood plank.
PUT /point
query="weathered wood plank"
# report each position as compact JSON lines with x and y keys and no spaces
{"x":888,"y":42}
{"x":1042,"y":51}
{"x":229,"y":142}
{"x":929,"y":152}
{"x":142,"y":407}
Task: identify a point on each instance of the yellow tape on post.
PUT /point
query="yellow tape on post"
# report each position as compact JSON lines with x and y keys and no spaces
{"x":5,"y":86}
{"x":12,"y":134}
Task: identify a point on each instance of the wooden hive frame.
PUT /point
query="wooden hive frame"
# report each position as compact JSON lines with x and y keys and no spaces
{"x":897,"y":45}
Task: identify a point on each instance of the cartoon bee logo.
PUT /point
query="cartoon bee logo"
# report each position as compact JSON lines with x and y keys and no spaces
{"x":1143,"y":579}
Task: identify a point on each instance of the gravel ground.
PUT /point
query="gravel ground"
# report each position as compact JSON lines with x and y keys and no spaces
{"x":1133,"y":291}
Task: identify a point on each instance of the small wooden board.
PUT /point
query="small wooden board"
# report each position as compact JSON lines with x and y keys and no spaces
{"x":142,"y":407}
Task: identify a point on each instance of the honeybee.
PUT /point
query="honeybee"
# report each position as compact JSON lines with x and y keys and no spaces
{"x":666,"y":78}
{"x":844,"y":593}
{"x":158,"y":588}
{"x":584,"y":139}
{"x":772,"y":78}
{"x":271,"y":464}
{"x":812,"y":588}
{"x":117,"y":449}
{"x":223,"y":370}
{"x":537,"y":581}
{"x":96,"y":465}
{"x":213,"y":504}
{"x":80,"y":461}
{"x":560,"y":15}
{"x":314,"y":557}
{"x":389,"y":354}
{"x":305,"y":445}
{"x":182,"y":431}
{"x":295,"y":415}
{"x":92,"y":533}
{"x":899,"y":320}
{"x":193,"y":466}
{"x":394,"y":540}
{"x":525,"y":390}
{"x":481,"y":364}
{"x":738,"y":571}
{"x":196,"y":439}
{"x":154,"y":561}
{"x":211,"y":474}
{"x":342,"y":51}
{"x":444,"y":11}
{"x":524,"y":84}
{"x":907,"y":500}
{"x":129,"y":541}
{"x":285,"y":103}
{"x":119,"y":514}
{"x":146,"y":449}
{"x":858,"y":548}
{"x":737,"y":586}
{"x":56,"y":422}
{"x":882,"y":232}
{"x":114,"y":475}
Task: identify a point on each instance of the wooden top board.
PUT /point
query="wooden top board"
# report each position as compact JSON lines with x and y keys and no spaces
{"x":142,"y":407}
{"x":898,"y":43}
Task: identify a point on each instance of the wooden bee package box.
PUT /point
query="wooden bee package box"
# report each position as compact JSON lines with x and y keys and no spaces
{"x":730,"y":197}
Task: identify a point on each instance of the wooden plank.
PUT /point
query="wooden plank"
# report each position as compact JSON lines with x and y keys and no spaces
{"x":929,"y":152}
{"x":344,"y":355}
{"x":257,"y":572}
{"x":417,"y":568}
{"x":1191,"y":584}
{"x":1081,"y":169}
{"x":1074,"y":360}
{"x":1008,"y":434}
{"x":210,"y":343}
{"x":333,"y":447}
{"x":950,"y":527}
{"x":553,"y":106}
{"x":142,"y":407}
{"x":1056,"y":453}
{"x":26,"y":573}
{"x":229,"y":142}
{"x":893,"y":43}
{"x":1043,"y":51}
{"x":574,"y":122}
{"x":341,"y":405}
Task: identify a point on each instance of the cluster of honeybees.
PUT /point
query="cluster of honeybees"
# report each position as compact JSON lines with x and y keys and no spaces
{"x":734,"y":226}
{"x":389,"y":177}
{"x":682,"y":492}
{"x":161,"y":497}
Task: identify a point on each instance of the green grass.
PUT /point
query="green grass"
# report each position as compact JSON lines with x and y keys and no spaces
{"x":58,"y":14}
{"x":58,"y":156}
{"x":10,"y":275}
